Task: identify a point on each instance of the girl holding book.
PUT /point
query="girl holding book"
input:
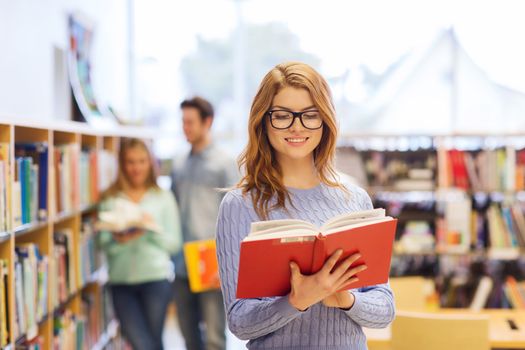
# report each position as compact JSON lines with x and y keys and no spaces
{"x":140,"y":269}
{"x":289,"y":173}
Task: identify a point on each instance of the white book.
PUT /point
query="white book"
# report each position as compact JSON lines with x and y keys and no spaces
{"x":482,"y":294}
{"x":17,"y":204}
{"x":124,"y":216}
{"x":510,"y":169}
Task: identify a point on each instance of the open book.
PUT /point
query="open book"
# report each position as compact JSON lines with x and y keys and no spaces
{"x":264,"y":269}
{"x":124,"y":217}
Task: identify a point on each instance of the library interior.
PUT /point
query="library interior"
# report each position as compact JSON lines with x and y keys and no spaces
{"x":124,"y":127}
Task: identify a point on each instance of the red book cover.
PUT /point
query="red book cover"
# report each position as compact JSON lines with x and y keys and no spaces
{"x":264,"y":269}
{"x":462,"y":171}
{"x":93,"y":176}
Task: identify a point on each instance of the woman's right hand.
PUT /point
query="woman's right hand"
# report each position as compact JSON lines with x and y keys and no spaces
{"x":129,"y":236}
{"x":309,"y":290}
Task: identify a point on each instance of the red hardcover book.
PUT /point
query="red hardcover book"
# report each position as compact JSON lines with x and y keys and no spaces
{"x":459,"y":169}
{"x":93,"y":177}
{"x":264,"y":269}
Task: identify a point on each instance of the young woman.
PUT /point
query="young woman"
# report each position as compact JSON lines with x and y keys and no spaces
{"x":140,"y":269}
{"x":289,"y":173}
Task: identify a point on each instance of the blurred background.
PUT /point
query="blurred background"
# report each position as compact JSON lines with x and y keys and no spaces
{"x":394,"y":66}
{"x":430,"y":99}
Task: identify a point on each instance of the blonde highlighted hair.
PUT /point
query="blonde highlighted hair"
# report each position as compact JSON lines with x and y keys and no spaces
{"x":122,"y":183}
{"x":263,"y":175}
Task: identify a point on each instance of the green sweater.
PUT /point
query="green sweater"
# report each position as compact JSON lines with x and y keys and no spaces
{"x":146,"y":258}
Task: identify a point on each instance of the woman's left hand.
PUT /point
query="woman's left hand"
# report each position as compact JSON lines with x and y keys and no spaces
{"x":342,"y":300}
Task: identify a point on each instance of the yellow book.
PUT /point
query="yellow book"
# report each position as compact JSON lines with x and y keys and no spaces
{"x":4,"y":156}
{"x":202,"y":265}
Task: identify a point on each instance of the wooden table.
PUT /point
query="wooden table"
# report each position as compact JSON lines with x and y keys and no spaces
{"x":501,"y":332}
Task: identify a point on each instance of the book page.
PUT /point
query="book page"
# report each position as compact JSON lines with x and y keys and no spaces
{"x":300,"y":232}
{"x":123,"y":216}
{"x":357,"y":223}
{"x":354,"y":217}
{"x":277,"y":229}
{"x":269,"y":224}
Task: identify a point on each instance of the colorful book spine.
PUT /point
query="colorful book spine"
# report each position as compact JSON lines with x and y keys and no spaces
{"x":31,"y":274}
{"x":4,"y":305}
{"x":5,"y":158}
{"x":38,"y":155}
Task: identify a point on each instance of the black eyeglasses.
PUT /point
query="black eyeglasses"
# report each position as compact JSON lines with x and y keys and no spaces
{"x":282,"y":119}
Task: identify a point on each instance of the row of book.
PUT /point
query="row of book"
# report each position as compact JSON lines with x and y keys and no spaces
{"x":474,"y":283}
{"x":99,"y":319}
{"x":497,"y":226}
{"x":79,"y":177}
{"x":79,"y":331}
{"x":413,"y":170}
{"x":82,"y":176}
{"x":500,"y":169}
{"x":459,"y":224}
{"x":90,"y":258}
{"x":30,"y":185}
{"x":89,"y":189}
{"x":31,"y":289}
{"x":486,"y":170}
{"x":66,"y":178}
{"x":4,"y":314}
{"x":36,"y":276}
{"x":68,"y":331}
{"x":63,"y":274}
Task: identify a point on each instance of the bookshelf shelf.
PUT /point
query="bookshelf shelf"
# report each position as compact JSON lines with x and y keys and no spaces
{"x":460,"y":201}
{"x":49,"y":191}
{"x":64,"y":216}
{"x":5,"y":237}
{"x":28,"y":228}
{"x":88,"y":208}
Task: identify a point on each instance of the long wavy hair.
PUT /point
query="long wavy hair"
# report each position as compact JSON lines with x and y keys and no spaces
{"x":122,"y":183}
{"x":263,"y":174}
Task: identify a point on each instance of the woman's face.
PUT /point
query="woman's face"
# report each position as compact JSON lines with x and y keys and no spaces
{"x":295,"y":142}
{"x":136,"y":166}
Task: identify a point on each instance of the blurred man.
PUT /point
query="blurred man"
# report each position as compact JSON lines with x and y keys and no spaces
{"x":195,"y":179}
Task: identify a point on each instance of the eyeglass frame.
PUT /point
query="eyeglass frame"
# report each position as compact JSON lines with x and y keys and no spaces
{"x":295,"y":115}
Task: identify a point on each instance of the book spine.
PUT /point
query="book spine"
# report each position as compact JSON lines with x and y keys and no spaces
{"x":27,"y":165}
{"x":42,"y":195}
{"x":319,"y":253}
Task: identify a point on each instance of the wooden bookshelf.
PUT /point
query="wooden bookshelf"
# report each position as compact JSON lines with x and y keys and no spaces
{"x":473,"y":219}
{"x":41,"y":232}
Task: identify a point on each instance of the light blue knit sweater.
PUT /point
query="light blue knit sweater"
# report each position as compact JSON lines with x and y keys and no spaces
{"x":272,"y":323}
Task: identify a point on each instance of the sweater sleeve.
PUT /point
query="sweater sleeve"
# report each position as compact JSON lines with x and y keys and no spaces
{"x":374,"y":305}
{"x":247,"y":318}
